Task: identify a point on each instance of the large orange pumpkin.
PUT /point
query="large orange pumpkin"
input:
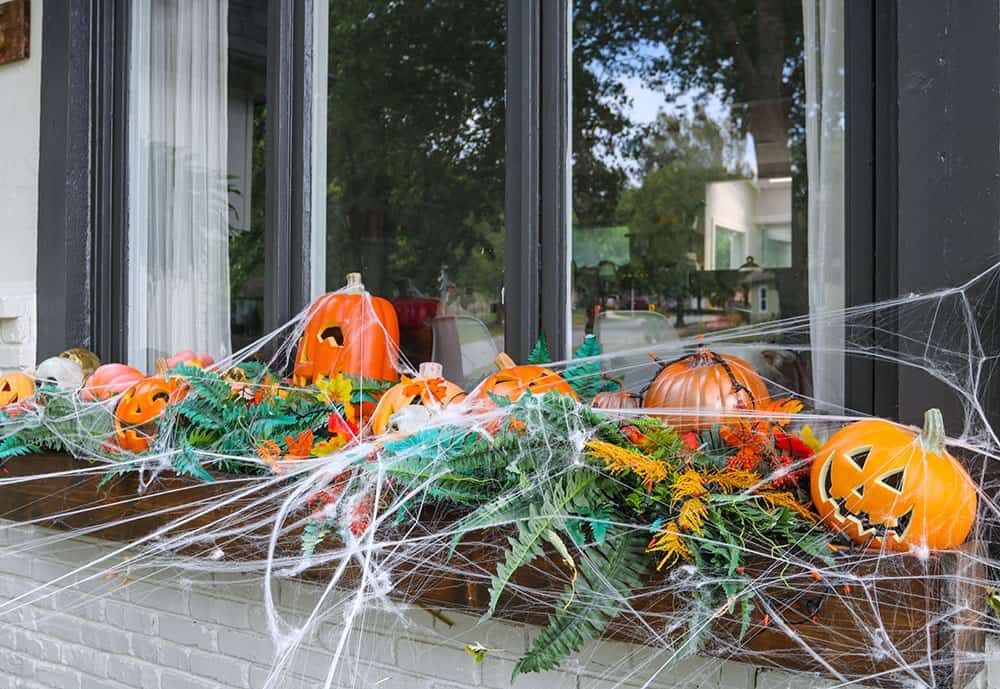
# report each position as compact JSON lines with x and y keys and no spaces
{"x":348,"y":332}
{"x":706,"y":385}
{"x":429,"y":388}
{"x":140,"y":406}
{"x":884,"y":484}
{"x":15,"y":388}
{"x":109,"y":380}
{"x":512,"y":381}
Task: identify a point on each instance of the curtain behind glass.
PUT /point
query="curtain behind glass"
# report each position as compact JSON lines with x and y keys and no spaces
{"x":823,"y":21}
{"x":178,"y":207}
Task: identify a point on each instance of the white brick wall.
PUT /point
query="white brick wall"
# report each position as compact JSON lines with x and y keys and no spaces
{"x":169,"y":631}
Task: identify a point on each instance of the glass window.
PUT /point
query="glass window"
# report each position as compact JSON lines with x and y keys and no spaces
{"x":707,"y":177}
{"x":196,"y":155}
{"x":415,"y":165}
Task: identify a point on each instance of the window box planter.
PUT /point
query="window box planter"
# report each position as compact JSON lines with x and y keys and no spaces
{"x":863,"y":620}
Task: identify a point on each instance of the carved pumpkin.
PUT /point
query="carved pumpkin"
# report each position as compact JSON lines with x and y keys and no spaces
{"x":109,"y":380}
{"x":616,"y":399}
{"x":16,"y":388}
{"x":138,"y":409}
{"x":884,"y":484}
{"x":348,"y":332}
{"x":512,"y":381}
{"x":428,"y":389}
{"x":707,"y":383}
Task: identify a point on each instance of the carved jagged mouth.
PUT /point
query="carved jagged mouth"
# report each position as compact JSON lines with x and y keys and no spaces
{"x":861,"y":519}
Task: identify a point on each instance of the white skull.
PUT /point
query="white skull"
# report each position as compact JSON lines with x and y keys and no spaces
{"x":65,"y":373}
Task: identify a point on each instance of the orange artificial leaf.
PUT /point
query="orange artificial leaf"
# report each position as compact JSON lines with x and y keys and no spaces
{"x":300,"y":446}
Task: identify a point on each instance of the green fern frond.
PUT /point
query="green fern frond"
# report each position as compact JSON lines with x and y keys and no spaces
{"x":609,"y":572}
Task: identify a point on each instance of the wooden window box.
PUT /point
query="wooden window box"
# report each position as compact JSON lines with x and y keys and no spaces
{"x":895,"y":611}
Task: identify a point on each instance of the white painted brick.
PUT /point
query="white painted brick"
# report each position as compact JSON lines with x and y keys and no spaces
{"x":359,"y":644}
{"x":737,"y":676}
{"x":130,"y":618}
{"x":104,"y":637}
{"x":7,"y":633}
{"x":501,"y":637}
{"x":187,"y":632}
{"x":58,"y":676}
{"x":450,"y":663}
{"x":16,"y":664}
{"x":157,"y":650}
{"x":158,"y":597}
{"x":59,"y":626}
{"x":210,"y":608}
{"x":246,"y":645}
{"x":15,"y":563}
{"x":180,"y":680}
{"x":214,"y":666}
{"x":497,"y":673}
{"x":125,"y":670}
{"x":85,"y":659}
{"x":259,"y":676}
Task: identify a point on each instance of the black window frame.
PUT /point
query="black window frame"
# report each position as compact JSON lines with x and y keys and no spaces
{"x":82,"y":220}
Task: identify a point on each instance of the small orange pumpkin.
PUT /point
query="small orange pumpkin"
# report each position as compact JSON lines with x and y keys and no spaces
{"x":616,"y":399}
{"x":140,"y":406}
{"x":512,"y":381}
{"x":348,"y":332}
{"x":707,"y":383}
{"x":883,"y":484}
{"x":109,"y":380}
{"x":428,"y":389}
{"x":15,"y":388}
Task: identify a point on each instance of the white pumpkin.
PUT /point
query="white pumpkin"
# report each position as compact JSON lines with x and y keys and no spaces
{"x":65,"y":373}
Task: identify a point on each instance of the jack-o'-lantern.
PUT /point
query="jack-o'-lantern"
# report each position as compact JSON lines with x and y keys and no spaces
{"x":428,"y":389}
{"x":109,"y":380}
{"x":706,"y":385}
{"x":616,"y":399}
{"x":139,"y":407}
{"x":512,"y":381}
{"x":16,"y":388}
{"x":883,"y":484}
{"x":348,"y":332}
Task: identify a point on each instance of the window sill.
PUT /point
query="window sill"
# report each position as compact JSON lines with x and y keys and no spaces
{"x":931,"y":612}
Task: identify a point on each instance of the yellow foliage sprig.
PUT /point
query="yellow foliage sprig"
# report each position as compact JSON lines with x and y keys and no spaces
{"x":668,"y":540}
{"x":620,"y":460}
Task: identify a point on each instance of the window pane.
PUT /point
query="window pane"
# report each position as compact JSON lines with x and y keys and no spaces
{"x":196,"y":177}
{"x":708,"y":178}
{"x":415,"y":192}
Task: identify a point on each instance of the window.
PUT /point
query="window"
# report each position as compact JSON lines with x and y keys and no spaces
{"x":415,"y":171}
{"x":196,"y":163}
{"x":707,"y":162}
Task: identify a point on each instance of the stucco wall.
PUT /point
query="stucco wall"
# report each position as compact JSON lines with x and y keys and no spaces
{"x":20,"y":89}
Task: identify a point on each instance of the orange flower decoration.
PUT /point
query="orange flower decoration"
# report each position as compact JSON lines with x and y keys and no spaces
{"x":300,"y":446}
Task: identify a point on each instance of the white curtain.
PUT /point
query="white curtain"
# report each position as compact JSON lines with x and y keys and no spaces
{"x":823,"y":22}
{"x":178,"y":274}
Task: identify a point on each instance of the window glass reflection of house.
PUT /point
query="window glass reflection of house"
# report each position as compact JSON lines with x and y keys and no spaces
{"x":748,"y":218}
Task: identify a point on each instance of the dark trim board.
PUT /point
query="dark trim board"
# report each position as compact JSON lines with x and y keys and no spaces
{"x":522,"y":283}
{"x":81,"y":201}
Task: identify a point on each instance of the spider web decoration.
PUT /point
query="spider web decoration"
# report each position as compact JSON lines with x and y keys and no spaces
{"x":675,"y":529}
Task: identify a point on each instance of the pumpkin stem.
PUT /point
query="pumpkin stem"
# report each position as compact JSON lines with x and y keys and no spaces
{"x":354,"y":281}
{"x":616,"y":380}
{"x":932,"y":436}
{"x":430,"y":369}
{"x":504,"y":361}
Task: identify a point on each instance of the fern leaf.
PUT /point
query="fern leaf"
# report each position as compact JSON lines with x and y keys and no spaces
{"x":610,"y":572}
{"x":313,"y":535}
{"x":186,"y":463}
{"x":527,"y":545}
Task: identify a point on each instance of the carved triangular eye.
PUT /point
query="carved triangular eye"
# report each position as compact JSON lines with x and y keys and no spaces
{"x":859,"y":457}
{"x":894,"y":480}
